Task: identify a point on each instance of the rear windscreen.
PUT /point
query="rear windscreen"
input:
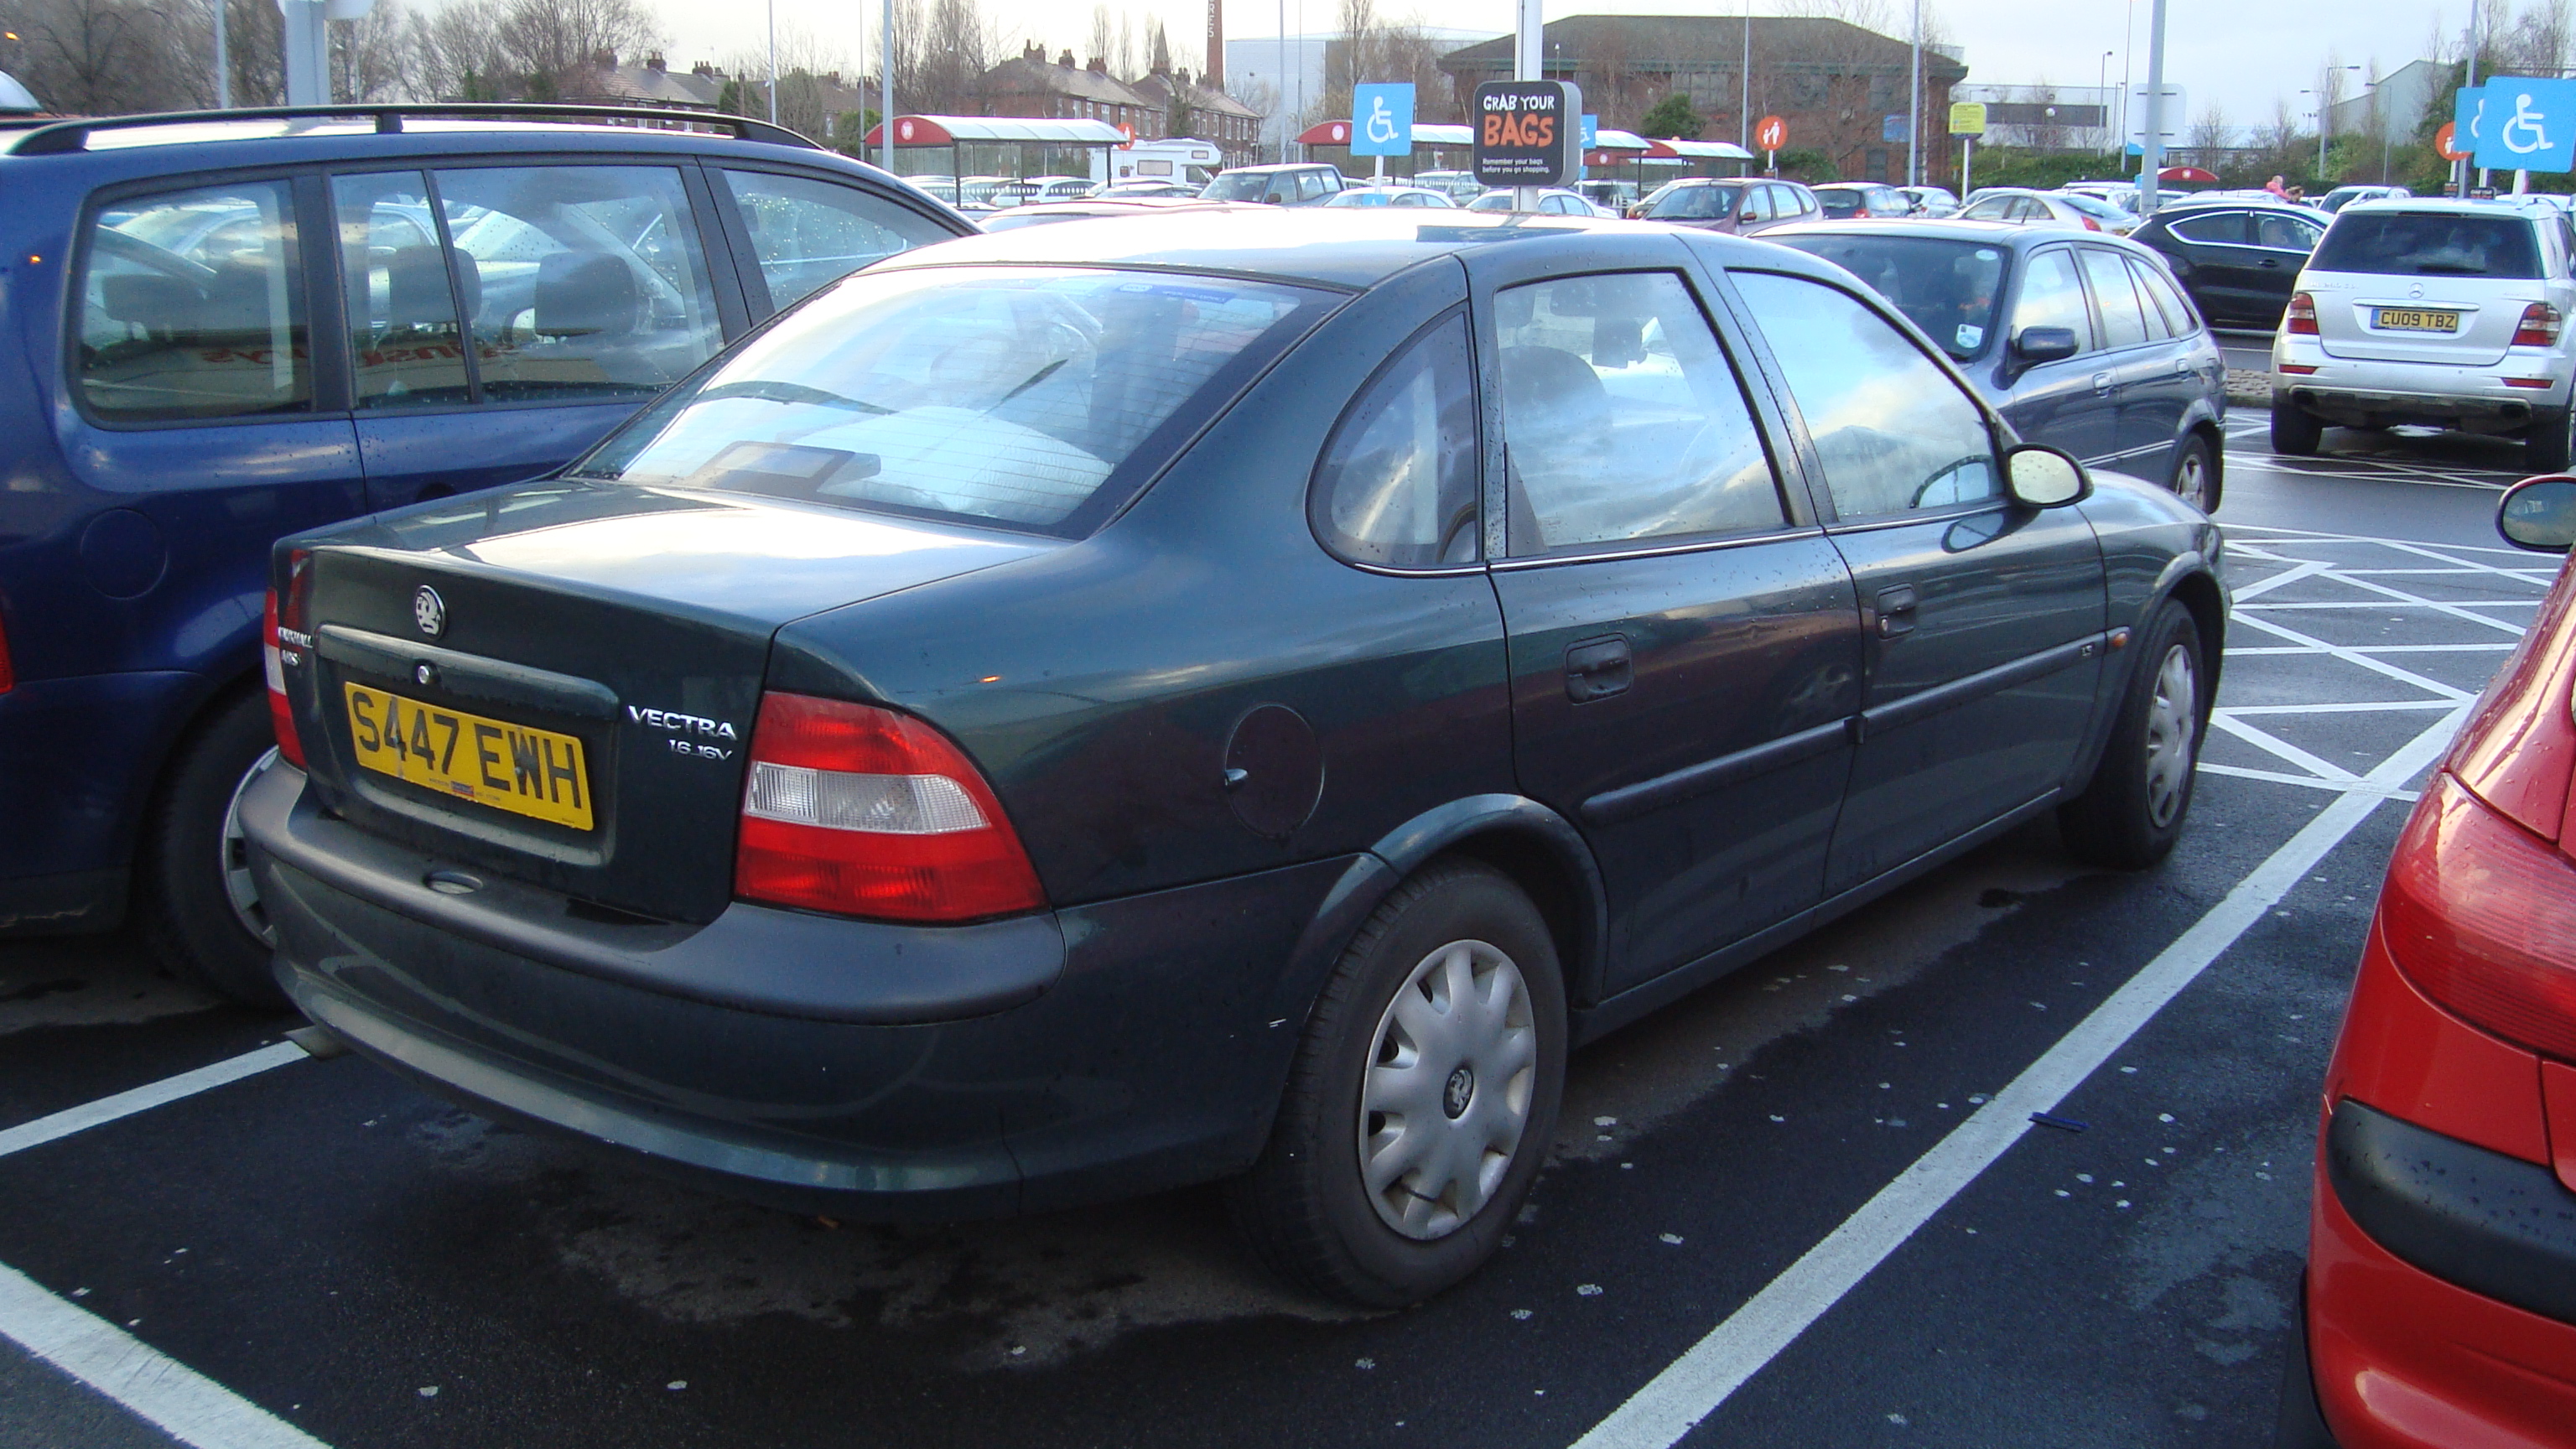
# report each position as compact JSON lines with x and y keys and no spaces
{"x":2428,"y":244}
{"x":1839,"y":203}
{"x":1032,"y":398}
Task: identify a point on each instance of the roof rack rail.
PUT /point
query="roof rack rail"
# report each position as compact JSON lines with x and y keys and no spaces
{"x":68,"y":136}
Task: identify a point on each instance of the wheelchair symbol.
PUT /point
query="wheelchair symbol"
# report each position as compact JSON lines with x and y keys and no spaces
{"x":2527,"y":121}
{"x":1381,"y":122}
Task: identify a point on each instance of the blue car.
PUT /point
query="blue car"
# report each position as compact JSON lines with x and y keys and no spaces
{"x":226,"y":327}
{"x":2082,"y":340}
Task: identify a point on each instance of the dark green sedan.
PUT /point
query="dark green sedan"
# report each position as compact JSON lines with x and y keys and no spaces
{"x":1065,"y":714}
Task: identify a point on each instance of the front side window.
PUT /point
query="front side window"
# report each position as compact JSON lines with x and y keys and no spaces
{"x":192,"y":306}
{"x":807,"y":232}
{"x":1993,"y":208}
{"x":2123,"y":323}
{"x":1894,"y":433}
{"x":2052,"y":296}
{"x":591,"y":284}
{"x":1693,"y":203}
{"x":1009,"y":395}
{"x":1397,"y":486}
{"x":1623,"y":421}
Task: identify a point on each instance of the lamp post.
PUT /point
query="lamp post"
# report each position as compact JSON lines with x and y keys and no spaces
{"x":773,"y":62}
{"x":2101,"y":83}
{"x":2325,"y":120}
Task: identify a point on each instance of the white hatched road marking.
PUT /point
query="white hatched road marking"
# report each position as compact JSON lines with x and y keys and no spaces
{"x":1706,"y":1375}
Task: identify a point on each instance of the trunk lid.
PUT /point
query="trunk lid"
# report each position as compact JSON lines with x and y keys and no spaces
{"x":556,"y":683}
{"x":2386,"y":281}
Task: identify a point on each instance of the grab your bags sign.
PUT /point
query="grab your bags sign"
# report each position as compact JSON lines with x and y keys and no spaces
{"x":1528,"y":132}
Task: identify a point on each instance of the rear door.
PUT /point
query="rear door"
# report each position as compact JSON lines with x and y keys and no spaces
{"x":1683,"y":641}
{"x":1983,"y":619}
{"x":2139,"y":353}
{"x":2219,"y":263}
{"x":2282,"y":244}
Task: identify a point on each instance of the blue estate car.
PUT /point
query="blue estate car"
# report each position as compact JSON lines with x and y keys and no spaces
{"x":193,"y":368}
{"x":2081,"y":340}
{"x":1089,"y":709}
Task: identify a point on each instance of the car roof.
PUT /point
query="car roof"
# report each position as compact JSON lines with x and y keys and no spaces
{"x":1352,"y":248}
{"x":2439,"y":205}
{"x":1998,"y":233}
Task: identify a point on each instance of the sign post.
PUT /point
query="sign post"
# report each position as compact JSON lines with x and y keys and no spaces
{"x":1771,"y":134}
{"x":1967,"y":122}
{"x":1382,"y":121}
{"x":1526,"y":135}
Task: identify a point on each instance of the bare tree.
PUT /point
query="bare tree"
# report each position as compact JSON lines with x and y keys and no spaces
{"x":456,"y":52}
{"x":545,"y":41}
{"x":1103,"y":41}
{"x":370,"y":56}
{"x":104,"y":56}
{"x":803,"y":63}
{"x":2207,"y":138}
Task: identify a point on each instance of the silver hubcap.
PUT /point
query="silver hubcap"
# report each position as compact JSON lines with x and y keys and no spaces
{"x":2171,"y":718}
{"x":2191,"y":480}
{"x":239,"y":888}
{"x":1448,"y":1090}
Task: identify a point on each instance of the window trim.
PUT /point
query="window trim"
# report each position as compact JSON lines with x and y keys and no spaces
{"x":1342,"y":422}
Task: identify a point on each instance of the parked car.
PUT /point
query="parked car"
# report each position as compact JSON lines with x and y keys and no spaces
{"x":1398,"y":196}
{"x":1462,"y":186}
{"x":1297,"y":185}
{"x":2105,"y":215}
{"x":2438,"y":1304}
{"x":1613,"y":197}
{"x":1053,"y":722}
{"x":2122,"y":194}
{"x":2338,"y":198}
{"x":2021,"y":206}
{"x":980,"y":194}
{"x":2238,"y":261}
{"x":188,"y":383}
{"x":1931,"y":202}
{"x":1845,"y":200}
{"x":1062,"y":188}
{"x":1046,"y":213}
{"x":1552,"y":201}
{"x":1133,"y":190}
{"x":1740,"y":207}
{"x":2451,"y":313}
{"x":2080,"y":342}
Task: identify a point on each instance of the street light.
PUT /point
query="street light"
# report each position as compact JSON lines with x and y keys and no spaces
{"x":2325,"y":122}
{"x":2102,"y":82}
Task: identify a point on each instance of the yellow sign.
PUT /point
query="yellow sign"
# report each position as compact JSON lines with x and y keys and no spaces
{"x":1967,"y":118}
{"x":509,"y":767}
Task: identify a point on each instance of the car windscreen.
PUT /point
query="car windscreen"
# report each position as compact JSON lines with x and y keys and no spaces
{"x":2428,"y":244}
{"x":1950,"y":289}
{"x":1695,"y":203}
{"x":1240,"y":186}
{"x":1030,"y":398}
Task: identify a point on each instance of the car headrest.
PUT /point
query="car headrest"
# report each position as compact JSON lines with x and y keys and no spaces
{"x":582,"y":294}
{"x":1551,"y":395}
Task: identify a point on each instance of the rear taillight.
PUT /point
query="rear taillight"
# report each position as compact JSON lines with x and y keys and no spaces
{"x":2481,"y":915}
{"x":2090,"y":224}
{"x":2539,"y":326}
{"x":2301,"y":318}
{"x":285,"y":638}
{"x":865,"y":812}
{"x":8,"y":674}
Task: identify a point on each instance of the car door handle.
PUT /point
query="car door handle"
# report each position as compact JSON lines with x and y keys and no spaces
{"x":2271,"y":262}
{"x":1896,"y":610}
{"x":1597,"y":668}
{"x":2182,"y":364}
{"x":2101,"y":382}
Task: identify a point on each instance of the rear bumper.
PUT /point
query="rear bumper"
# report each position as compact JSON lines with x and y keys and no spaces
{"x":77,"y":761}
{"x":2408,"y":1352}
{"x":865,"y":1069}
{"x":2349,"y":391}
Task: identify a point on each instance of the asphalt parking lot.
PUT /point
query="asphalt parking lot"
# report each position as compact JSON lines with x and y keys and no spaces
{"x":1807,"y":1206}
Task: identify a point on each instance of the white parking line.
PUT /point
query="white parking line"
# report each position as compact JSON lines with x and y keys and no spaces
{"x":183,"y":1403}
{"x":1694,"y":1385}
{"x":144,"y":1098}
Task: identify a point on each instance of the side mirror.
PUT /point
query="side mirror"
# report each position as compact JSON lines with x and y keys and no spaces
{"x":1744,"y":216}
{"x":2044,"y":344}
{"x":2539,"y":514}
{"x":2042,"y":477}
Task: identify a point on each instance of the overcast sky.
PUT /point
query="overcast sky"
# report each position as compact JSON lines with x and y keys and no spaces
{"x":2241,"y":55}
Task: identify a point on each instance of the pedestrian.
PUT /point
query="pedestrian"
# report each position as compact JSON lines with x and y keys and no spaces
{"x":2275,"y":187}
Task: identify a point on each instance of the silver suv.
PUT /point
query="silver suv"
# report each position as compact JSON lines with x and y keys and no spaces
{"x":2451,"y":313}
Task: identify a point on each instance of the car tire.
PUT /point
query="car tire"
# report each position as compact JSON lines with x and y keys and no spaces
{"x":2295,"y":432}
{"x":1379,"y":1035}
{"x":194,"y":904}
{"x":2195,"y":474}
{"x":2546,"y":448}
{"x":2134,"y":808}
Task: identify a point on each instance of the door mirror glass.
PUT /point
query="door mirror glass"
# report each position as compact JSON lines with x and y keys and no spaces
{"x":2043,"y":477}
{"x":2539,"y":514}
{"x":2044,"y":344}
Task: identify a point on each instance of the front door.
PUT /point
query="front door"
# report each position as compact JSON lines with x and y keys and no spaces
{"x":2073,"y":402}
{"x":1684,"y":646}
{"x":1983,"y":618}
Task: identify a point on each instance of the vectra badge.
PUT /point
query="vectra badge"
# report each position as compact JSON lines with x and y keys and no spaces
{"x":429,"y":611}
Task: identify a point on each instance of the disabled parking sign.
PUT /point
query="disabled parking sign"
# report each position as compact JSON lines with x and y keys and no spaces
{"x":2520,"y":123}
{"x":1382,"y":119}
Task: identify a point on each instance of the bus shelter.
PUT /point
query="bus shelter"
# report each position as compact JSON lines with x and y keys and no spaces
{"x":1013,"y":146}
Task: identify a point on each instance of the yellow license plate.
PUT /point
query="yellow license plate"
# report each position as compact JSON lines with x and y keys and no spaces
{"x":2408,"y":319}
{"x":517,"y":768}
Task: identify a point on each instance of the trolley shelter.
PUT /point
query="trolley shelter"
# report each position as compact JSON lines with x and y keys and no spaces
{"x":1449,"y":146}
{"x":1036,"y":145}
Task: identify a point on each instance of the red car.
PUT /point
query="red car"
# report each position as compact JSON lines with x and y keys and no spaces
{"x":2441,"y":1285}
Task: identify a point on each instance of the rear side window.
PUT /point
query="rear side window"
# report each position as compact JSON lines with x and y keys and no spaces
{"x":807,"y":232}
{"x":2428,"y":244}
{"x":2123,"y":323}
{"x":2221,"y":228}
{"x":2180,"y":320}
{"x":2285,"y":233}
{"x":1034,"y":398}
{"x":406,"y":347}
{"x":1397,"y":486}
{"x":192,"y":306}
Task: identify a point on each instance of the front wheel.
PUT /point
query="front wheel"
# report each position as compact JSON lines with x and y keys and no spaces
{"x":196,"y":904}
{"x":1423,"y":1097}
{"x":2132,"y":812}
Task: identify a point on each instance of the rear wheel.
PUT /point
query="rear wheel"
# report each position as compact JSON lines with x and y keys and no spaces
{"x":2295,"y":431}
{"x":2195,"y":474}
{"x":2133,"y":811}
{"x":1423,"y":1097}
{"x":2546,"y":447}
{"x":196,"y":906}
